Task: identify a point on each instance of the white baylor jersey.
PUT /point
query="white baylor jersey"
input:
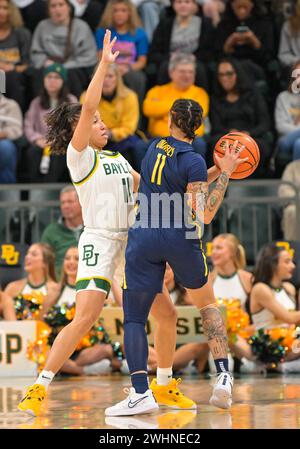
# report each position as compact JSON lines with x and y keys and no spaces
{"x":104,"y":185}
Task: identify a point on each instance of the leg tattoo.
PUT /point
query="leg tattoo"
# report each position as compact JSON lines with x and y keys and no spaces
{"x":214,"y":329}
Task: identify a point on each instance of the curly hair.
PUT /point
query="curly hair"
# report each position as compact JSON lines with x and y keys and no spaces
{"x":61,"y":123}
{"x":187,"y":115}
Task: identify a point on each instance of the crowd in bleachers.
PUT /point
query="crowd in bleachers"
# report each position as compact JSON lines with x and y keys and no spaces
{"x":238,"y":58}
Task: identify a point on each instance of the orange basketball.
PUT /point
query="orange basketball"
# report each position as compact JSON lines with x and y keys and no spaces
{"x":251,"y":151}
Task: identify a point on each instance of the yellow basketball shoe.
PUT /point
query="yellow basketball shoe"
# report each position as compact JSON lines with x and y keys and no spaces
{"x":171,"y":396}
{"x":33,"y":400}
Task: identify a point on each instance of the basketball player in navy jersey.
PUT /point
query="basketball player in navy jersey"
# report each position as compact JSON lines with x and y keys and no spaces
{"x":171,"y":167}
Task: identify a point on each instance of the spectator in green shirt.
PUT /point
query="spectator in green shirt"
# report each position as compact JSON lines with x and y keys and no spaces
{"x":66,"y":231}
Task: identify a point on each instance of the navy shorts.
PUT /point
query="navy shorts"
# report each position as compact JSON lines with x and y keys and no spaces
{"x":148,"y":251}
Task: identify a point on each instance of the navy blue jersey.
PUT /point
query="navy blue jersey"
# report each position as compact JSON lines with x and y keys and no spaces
{"x":169,"y":165}
{"x":167,"y":168}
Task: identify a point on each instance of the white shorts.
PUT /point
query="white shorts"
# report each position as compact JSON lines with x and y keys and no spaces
{"x":101,"y":256}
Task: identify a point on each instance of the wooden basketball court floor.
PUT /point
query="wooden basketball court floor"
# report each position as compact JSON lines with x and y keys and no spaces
{"x":79,"y":403}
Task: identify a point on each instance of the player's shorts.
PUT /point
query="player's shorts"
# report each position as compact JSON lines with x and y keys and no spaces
{"x":101,"y":253}
{"x":147,"y":252}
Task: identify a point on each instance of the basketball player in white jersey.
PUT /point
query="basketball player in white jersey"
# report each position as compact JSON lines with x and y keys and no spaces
{"x":105,"y":183}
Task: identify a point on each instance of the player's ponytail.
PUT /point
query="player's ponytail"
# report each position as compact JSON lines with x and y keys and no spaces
{"x":187,"y":115}
{"x":61,"y":123}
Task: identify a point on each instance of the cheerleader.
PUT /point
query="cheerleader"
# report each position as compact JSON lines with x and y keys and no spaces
{"x":273,"y":297}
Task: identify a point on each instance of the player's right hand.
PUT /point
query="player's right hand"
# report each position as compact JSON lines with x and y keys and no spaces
{"x":231,"y":159}
{"x":107,"y":53}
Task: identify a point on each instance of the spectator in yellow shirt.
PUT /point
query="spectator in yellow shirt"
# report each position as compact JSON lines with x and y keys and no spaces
{"x":119,"y":109}
{"x":159,"y":99}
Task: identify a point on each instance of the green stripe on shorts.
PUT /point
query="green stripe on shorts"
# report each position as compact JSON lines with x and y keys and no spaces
{"x":102,"y":284}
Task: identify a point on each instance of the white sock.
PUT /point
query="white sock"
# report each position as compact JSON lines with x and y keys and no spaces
{"x":45,"y":378}
{"x":164,"y":376}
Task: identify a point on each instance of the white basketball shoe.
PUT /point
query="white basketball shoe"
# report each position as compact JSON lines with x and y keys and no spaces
{"x":222,"y":391}
{"x":134,"y":404}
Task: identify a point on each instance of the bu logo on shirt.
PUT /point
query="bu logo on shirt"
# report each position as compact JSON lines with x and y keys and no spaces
{"x":89,"y":256}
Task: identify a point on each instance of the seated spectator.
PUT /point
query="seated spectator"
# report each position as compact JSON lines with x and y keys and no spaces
{"x":39,"y":266}
{"x":14,"y":51}
{"x":236,"y":106}
{"x":94,"y":360}
{"x":119,"y":108}
{"x":289,"y":48}
{"x":33,"y":11}
{"x":11,"y":129}
{"x":66,"y":40}
{"x":88,"y":10}
{"x":273,"y":298}
{"x":246,"y":35}
{"x":159,"y":99}
{"x":184,"y":32}
{"x":120,"y":16}
{"x":289,"y":221}
{"x":66,"y":232}
{"x":41,"y":166}
{"x":7,"y":310}
{"x":287,"y":117}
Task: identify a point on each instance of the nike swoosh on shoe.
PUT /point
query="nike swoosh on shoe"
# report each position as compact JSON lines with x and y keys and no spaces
{"x":133,"y":404}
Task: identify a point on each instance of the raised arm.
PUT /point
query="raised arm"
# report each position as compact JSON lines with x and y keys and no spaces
{"x":199,"y":196}
{"x":81,"y":136}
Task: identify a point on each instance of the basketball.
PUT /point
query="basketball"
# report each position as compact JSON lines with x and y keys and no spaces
{"x":251,"y":151}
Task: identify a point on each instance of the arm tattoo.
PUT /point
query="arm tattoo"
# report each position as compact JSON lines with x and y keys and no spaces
{"x":199,"y":198}
{"x":217,"y":194}
{"x":222,"y":182}
{"x":214,"y":329}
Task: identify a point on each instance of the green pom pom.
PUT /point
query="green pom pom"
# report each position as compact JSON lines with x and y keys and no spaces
{"x":265,"y":349}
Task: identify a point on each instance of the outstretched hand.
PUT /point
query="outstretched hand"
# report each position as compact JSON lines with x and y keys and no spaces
{"x":108,"y":55}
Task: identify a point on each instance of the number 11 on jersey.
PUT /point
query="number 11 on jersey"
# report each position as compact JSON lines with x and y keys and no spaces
{"x":158,"y":168}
